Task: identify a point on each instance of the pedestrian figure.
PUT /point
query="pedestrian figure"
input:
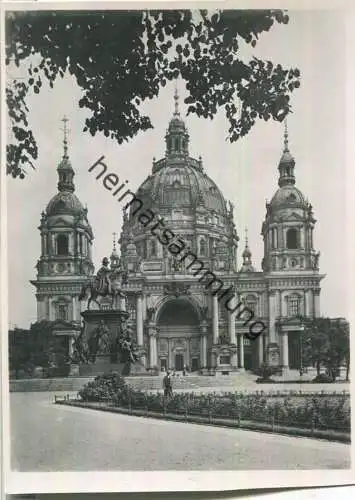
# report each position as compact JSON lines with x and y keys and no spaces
{"x":168,"y":389}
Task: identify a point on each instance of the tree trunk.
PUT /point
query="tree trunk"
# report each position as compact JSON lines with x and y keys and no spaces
{"x":318,"y":367}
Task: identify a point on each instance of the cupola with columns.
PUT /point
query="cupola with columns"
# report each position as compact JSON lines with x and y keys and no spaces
{"x":247,"y":266}
{"x":177,"y":137}
{"x":289,"y":223}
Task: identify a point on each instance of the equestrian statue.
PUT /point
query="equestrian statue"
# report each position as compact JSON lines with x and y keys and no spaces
{"x":107,"y":283}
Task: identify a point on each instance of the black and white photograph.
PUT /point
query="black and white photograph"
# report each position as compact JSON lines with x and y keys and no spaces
{"x":176,"y":270}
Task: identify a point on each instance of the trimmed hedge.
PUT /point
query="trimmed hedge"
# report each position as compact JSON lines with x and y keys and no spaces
{"x":308,"y":411}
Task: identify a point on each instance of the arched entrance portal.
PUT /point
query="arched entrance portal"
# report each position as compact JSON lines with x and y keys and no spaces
{"x":179,"y":336}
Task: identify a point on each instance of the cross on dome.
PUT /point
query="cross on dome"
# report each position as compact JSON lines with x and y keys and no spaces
{"x":176,"y":99}
{"x":286,"y":137}
{"x":65,"y":136}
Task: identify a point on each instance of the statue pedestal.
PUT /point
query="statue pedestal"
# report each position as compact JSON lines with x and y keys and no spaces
{"x":105,"y":356}
{"x":112,"y":319}
{"x":225,"y":359}
{"x":273,"y":354}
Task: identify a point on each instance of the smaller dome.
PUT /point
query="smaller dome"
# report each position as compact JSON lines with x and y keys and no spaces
{"x":287,"y":158}
{"x":114,"y":254}
{"x":247,"y":252}
{"x":289,"y":196}
{"x":64,"y":202}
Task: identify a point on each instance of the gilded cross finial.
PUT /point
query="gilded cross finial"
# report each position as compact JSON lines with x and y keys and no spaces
{"x":114,"y":240}
{"x":286,"y":136}
{"x":65,"y":138}
{"x":176,"y":99}
{"x":246,"y":237}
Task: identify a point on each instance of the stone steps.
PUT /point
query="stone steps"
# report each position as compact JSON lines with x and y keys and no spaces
{"x":150,"y":383}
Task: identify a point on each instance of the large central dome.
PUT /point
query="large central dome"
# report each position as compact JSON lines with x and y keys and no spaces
{"x":181,"y":195}
{"x":181,"y":182}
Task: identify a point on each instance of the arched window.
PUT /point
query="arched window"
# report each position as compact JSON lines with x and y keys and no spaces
{"x":176,"y":144}
{"x":292,"y":238}
{"x":62,"y":244}
{"x":251,"y":303}
{"x":62,"y":311}
{"x":203,"y":247}
{"x":294,"y":308}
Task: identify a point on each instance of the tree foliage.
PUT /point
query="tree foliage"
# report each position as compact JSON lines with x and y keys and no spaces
{"x":37,"y":346}
{"x":326,"y":343}
{"x":121,"y":58}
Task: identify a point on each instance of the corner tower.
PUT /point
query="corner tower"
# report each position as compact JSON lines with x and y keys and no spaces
{"x":290,"y":264}
{"x":66,"y":239}
{"x":289,"y":224}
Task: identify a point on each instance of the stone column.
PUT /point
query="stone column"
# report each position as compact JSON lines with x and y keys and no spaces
{"x":231,"y":330}
{"x":260,"y":349}
{"x":203,"y":345}
{"x":241,"y":351}
{"x":231,"y":321}
{"x":71,"y":243}
{"x":316,"y":299}
{"x":272,"y":316}
{"x":215,"y":329}
{"x":153,"y":361}
{"x":78,"y":243}
{"x":70,"y":346}
{"x":213,"y":360}
{"x":50,"y":309}
{"x":53,"y":252}
{"x":285,"y":350}
{"x":309,"y":298}
{"x":73,"y":308}
{"x":302,"y":239}
{"x":139,"y":319}
{"x":308,"y":305}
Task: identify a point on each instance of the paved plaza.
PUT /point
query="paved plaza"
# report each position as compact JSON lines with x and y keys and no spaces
{"x":48,"y":437}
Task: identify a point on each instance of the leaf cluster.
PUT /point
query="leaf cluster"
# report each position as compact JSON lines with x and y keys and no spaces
{"x":122,"y":58}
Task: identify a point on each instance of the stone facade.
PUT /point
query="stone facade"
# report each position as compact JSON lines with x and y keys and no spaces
{"x":178,"y":318}
{"x":178,"y":219}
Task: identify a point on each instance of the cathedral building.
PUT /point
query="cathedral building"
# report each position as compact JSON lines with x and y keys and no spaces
{"x":178,"y":319}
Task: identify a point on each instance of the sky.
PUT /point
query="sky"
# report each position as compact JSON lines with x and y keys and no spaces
{"x":245,"y":171}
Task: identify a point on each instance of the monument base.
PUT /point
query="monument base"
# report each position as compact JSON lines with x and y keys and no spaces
{"x":100,"y":368}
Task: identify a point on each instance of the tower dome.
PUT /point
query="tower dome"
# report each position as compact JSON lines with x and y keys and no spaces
{"x":289,"y":223}
{"x":65,"y":201}
{"x":287,"y":195}
{"x":247,"y":266}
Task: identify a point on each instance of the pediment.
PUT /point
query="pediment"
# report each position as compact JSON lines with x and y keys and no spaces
{"x":60,"y":222}
{"x":295,"y":216}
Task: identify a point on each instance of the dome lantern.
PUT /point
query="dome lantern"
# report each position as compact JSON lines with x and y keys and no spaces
{"x":65,"y":170}
{"x":114,"y":257}
{"x":287,"y":164}
{"x":177,"y":137}
{"x":247,"y":262}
